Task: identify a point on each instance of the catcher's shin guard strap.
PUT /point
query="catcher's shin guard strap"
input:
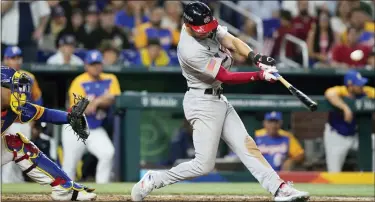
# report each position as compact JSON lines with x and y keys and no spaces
{"x":29,"y":169}
{"x":26,"y":156}
{"x":75,"y":195}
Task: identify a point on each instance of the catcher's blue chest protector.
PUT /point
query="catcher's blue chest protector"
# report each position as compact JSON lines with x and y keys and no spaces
{"x":8,"y":117}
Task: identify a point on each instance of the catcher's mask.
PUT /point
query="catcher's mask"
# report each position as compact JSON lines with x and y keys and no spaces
{"x":20,"y":86}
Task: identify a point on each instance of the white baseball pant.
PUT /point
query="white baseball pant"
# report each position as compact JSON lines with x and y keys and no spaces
{"x":213,"y":118}
{"x":98,"y":144}
{"x":10,"y":172}
{"x":337,"y":147}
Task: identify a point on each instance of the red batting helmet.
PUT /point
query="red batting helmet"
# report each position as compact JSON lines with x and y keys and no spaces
{"x":198,"y":17}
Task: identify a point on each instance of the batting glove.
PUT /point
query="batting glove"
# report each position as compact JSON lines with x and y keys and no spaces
{"x":261,"y":61}
{"x":267,"y":75}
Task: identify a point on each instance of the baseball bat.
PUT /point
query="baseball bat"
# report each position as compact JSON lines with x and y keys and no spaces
{"x":306,"y":100}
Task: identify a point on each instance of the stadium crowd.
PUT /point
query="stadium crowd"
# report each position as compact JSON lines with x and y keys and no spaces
{"x":146,"y":33}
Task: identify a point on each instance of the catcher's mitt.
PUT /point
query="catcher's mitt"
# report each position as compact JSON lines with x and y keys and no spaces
{"x":77,"y":118}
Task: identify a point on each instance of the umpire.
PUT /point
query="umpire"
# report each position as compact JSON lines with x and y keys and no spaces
{"x":100,"y":88}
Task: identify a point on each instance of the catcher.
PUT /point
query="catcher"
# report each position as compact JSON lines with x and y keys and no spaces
{"x":15,"y":89}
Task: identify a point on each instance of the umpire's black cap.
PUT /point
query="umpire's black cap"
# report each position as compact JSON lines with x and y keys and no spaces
{"x":198,"y":17}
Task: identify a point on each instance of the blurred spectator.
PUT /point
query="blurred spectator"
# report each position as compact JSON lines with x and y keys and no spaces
{"x":131,"y":16}
{"x":279,"y":147}
{"x":117,"y":5}
{"x":340,"y":134}
{"x":262,"y":9}
{"x":53,"y":3}
{"x":285,"y":28}
{"x":23,"y":24}
{"x":111,"y":54}
{"x":302,"y":22}
{"x":109,"y":31}
{"x":172,"y":20}
{"x":321,"y":39}
{"x":88,"y":29}
{"x":343,"y":56}
{"x":358,"y":4}
{"x":57,"y":23}
{"x":153,"y":55}
{"x":74,"y":29}
{"x":101,"y":4}
{"x":153,"y":29}
{"x":370,"y":26}
{"x":181,"y":145}
{"x":313,"y":6}
{"x":65,"y":54}
{"x":358,"y":20}
{"x":83,"y":5}
{"x":83,"y":29}
{"x":371,"y":60}
{"x":149,"y":5}
{"x":340,"y":22}
{"x":13,"y":58}
{"x":249,"y":28}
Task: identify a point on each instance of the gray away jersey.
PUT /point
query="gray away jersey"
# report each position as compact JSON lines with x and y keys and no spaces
{"x":200,"y":60}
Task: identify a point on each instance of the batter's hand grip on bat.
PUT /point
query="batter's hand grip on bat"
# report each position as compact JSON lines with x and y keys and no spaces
{"x":308,"y":102}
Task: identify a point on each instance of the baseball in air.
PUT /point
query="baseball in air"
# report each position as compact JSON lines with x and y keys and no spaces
{"x":356,"y":55}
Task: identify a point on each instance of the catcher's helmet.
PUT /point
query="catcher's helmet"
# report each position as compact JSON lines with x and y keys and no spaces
{"x":198,"y":17}
{"x":20,"y":86}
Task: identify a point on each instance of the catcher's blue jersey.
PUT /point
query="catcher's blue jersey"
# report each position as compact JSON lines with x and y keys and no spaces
{"x":31,"y":112}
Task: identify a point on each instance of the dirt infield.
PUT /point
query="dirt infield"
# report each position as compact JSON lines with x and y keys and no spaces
{"x":107,"y":197}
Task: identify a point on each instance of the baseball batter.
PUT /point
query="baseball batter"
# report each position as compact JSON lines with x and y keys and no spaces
{"x":203,"y":53}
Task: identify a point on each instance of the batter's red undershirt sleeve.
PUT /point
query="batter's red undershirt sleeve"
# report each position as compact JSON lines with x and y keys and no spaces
{"x":228,"y":77}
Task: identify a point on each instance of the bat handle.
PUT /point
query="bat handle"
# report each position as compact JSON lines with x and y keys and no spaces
{"x":282,"y":80}
{"x":276,"y":74}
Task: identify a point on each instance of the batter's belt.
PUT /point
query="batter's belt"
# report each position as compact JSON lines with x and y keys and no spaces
{"x":210,"y":91}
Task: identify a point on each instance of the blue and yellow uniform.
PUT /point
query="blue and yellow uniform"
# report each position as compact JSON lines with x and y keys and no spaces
{"x":86,"y":86}
{"x":145,"y":31}
{"x":277,"y":149}
{"x":339,"y":135}
{"x":100,"y":88}
{"x":143,"y":58}
{"x":336,"y":119}
{"x":16,"y":147}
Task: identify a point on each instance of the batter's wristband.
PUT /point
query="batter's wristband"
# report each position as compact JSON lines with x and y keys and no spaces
{"x":251,"y":56}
